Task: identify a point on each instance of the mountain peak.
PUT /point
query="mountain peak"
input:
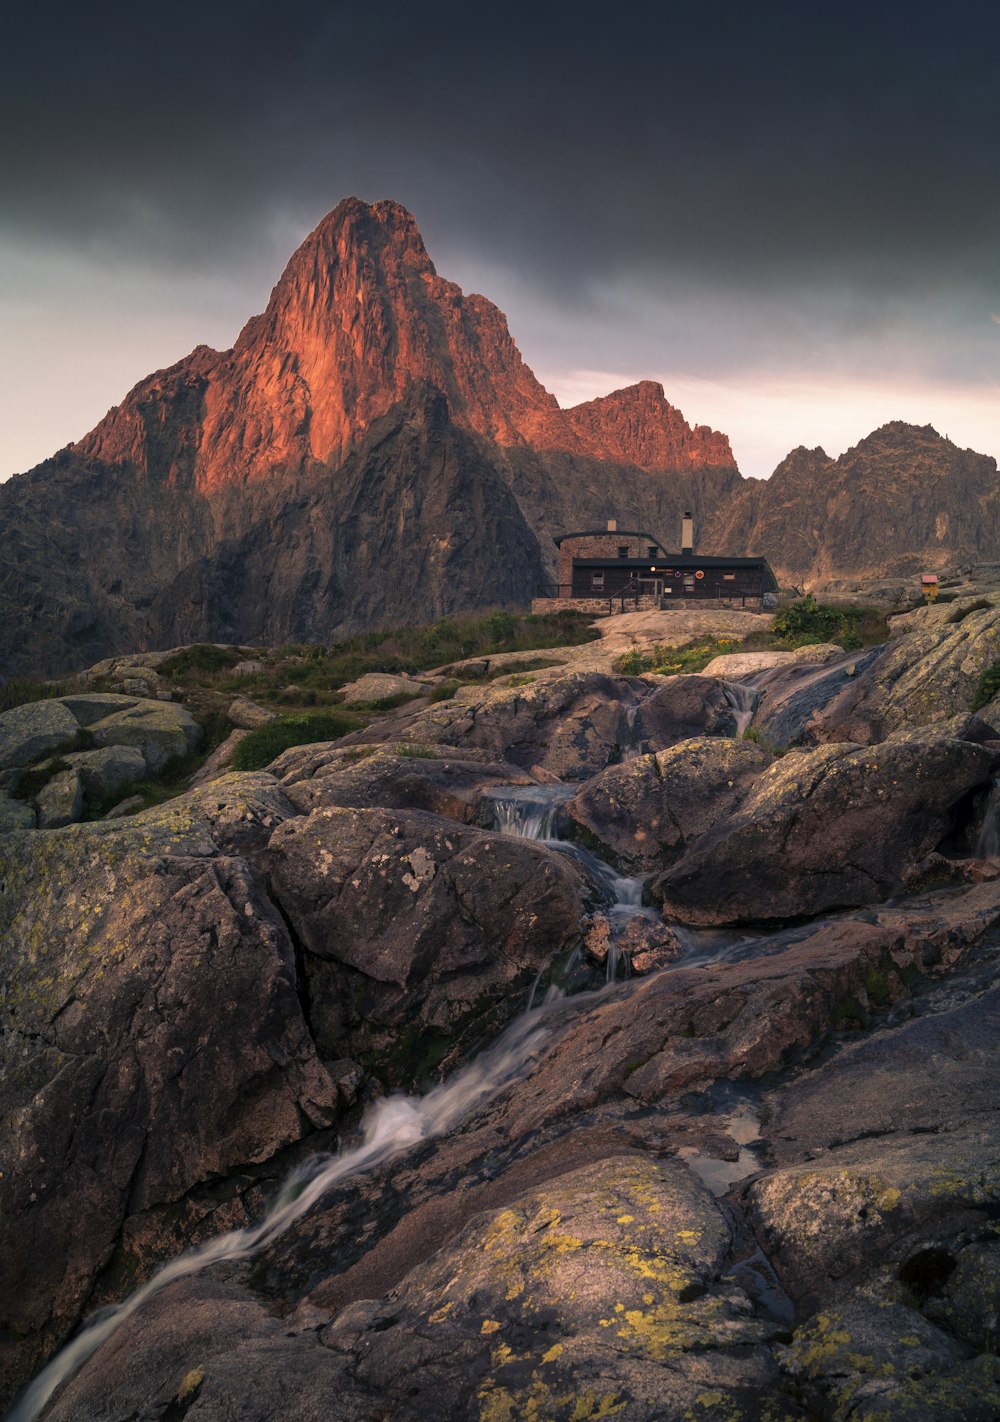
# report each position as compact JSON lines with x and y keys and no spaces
{"x":358,"y":315}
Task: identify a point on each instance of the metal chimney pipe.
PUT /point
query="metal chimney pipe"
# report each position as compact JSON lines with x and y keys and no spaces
{"x":687,"y":534}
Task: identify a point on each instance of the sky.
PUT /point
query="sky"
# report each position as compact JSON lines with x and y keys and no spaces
{"x":789,"y":213}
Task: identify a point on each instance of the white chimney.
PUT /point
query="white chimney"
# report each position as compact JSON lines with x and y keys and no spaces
{"x":687,"y":534}
{"x":612,"y":525}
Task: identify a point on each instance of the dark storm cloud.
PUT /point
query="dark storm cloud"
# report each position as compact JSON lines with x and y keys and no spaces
{"x":733,"y":143}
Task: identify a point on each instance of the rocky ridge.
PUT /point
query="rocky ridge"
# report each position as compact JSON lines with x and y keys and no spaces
{"x":757,"y":1183}
{"x":374,"y":449}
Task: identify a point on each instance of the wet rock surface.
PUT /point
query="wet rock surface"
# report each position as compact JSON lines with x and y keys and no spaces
{"x":758,"y":1180}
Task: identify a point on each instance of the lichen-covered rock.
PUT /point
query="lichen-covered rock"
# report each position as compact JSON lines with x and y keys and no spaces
{"x":884,"y":1361}
{"x":440,"y":784}
{"x":91,"y":706}
{"x":15,"y":815}
{"x":599,"y":1294}
{"x":159,"y":729}
{"x":246,"y":715}
{"x":644,"y":813}
{"x":28,"y":732}
{"x":60,"y":801}
{"x":823,"y":829}
{"x":106,"y":771}
{"x":572,"y":725}
{"x":920,"y":678}
{"x":409,"y":921}
{"x":152,"y":1040}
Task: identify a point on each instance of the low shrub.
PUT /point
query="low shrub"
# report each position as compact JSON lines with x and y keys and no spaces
{"x":807,"y":622}
{"x":262,"y":746}
{"x":989,"y":686}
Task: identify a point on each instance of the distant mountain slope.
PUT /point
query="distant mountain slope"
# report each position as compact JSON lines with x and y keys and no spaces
{"x":901,"y":499}
{"x":374,"y":449}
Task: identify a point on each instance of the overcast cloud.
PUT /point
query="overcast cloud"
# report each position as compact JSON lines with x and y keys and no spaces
{"x":777,"y":201}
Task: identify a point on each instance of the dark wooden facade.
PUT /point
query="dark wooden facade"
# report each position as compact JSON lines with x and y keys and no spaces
{"x":613,"y":563}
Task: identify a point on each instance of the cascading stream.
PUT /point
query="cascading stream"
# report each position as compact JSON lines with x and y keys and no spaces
{"x":389,"y":1127}
{"x":532,"y":812}
{"x":744,"y":699}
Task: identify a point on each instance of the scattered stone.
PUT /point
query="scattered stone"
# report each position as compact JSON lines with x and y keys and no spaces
{"x":105,"y":771}
{"x":247,"y":715}
{"x":129,"y":806}
{"x":60,"y":801}
{"x":15,"y":815}
{"x":381,"y":686}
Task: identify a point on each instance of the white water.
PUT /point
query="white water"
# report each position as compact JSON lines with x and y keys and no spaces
{"x":532,"y":812}
{"x":389,"y":1127}
{"x":743,"y":699}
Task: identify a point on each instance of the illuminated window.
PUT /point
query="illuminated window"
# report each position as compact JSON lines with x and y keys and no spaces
{"x":729,"y":577}
{"x":597,"y":580}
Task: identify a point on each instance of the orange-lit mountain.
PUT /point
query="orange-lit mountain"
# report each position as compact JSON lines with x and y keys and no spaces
{"x":374,"y":450}
{"x":358,"y":315}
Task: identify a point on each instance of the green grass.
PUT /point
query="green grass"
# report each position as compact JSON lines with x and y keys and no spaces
{"x":989,"y":686}
{"x":265,"y":744}
{"x":199,"y":659}
{"x":674,"y":661}
{"x":19,"y":691}
{"x":803,"y":624}
{"x":445,"y":690}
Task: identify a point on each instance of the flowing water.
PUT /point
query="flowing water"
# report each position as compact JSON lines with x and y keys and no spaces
{"x":744,"y":700}
{"x":532,"y":812}
{"x":389,"y":1127}
{"x":396,"y":1123}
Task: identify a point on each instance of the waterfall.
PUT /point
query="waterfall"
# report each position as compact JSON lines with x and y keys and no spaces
{"x":530,"y":811}
{"x":390,"y":1126}
{"x":743,"y":699}
{"x":988,"y":843}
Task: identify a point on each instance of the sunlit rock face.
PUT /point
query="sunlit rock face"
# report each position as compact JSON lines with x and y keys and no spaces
{"x":358,"y":315}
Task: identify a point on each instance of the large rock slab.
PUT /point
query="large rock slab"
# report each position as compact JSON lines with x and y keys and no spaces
{"x":160,"y":730}
{"x":153,"y":1040}
{"x":439,"y":784}
{"x":642,"y":815}
{"x":31,"y":731}
{"x":571,"y":725}
{"x":382,"y":686}
{"x":409,"y":921}
{"x":685,"y":706}
{"x":823,"y":829}
{"x":923,"y":677}
{"x":602,"y":1293}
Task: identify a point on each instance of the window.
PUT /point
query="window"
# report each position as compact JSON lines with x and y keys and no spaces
{"x":653,"y":550}
{"x":623,"y":550}
{"x":729,"y":577}
{"x":597,"y":581}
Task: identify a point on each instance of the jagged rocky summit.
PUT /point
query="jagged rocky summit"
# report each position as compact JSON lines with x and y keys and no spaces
{"x":374,"y":449}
